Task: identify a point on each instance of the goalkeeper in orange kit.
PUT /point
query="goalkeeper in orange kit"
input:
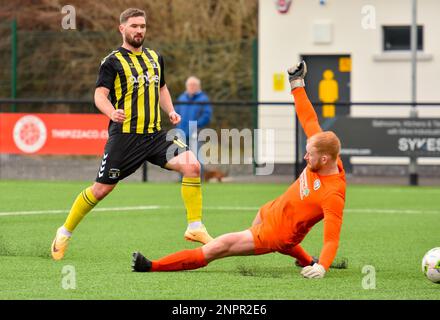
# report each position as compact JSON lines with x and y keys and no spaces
{"x":280,"y":225}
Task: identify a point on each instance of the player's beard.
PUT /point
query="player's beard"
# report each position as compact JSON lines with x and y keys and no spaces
{"x":136,"y":41}
{"x":314,"y":168}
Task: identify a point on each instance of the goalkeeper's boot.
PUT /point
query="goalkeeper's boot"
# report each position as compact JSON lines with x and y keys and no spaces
{"x":59,"y":245}
{"x":140,"y":263}
{"x":314,"y":260}
{"x":198,"y":235}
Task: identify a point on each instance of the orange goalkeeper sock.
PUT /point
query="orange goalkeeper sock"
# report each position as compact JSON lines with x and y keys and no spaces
{"x":182,"y":260}
{"x":299,"y":253}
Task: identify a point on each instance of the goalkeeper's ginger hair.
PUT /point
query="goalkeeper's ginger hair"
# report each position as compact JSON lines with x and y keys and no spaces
{"x":326,"y":143}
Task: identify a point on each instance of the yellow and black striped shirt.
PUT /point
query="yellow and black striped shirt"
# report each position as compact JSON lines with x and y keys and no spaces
{"x":134,"y":80}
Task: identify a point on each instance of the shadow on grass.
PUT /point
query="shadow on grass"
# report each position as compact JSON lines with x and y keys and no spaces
{"x":254,"y":271}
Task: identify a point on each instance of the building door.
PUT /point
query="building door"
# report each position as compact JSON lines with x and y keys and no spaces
{"x":327,"y":83}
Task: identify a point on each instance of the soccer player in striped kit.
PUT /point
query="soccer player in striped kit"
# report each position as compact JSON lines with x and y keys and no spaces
{"x":130,"y":91}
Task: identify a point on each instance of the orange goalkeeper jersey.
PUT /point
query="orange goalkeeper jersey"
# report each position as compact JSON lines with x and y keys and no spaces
{"x":310,"y":199}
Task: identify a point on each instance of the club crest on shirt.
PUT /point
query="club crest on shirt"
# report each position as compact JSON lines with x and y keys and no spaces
{"x":306,"y":192}
{"x":114,"y":173}
{"x":316,"y":184}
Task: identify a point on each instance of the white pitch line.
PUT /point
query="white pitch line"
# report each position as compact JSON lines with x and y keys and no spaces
{"x":19,"y":213}
{"x":393,"y":211}
{"x":136,"y":208}
{"x":420,"y":191}
{"x":225,"y":208}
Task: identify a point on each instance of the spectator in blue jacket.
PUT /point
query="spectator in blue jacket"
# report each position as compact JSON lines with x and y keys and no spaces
{"x":201,"y":113}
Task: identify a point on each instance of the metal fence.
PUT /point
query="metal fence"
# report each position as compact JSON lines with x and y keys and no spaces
{"x":64,"y":65}
{"x":239,"y":115}
{"x":6,"y":63}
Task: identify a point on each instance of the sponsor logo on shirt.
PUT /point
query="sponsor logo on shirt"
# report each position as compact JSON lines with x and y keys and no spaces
{"x":144,"y":80}
{"x":304,"y":190}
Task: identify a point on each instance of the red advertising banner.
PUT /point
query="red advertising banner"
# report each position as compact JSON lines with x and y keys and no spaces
{"x":63,"y":134}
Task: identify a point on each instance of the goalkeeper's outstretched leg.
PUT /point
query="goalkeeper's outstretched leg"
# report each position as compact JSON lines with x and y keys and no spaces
{"x":230,"y":244}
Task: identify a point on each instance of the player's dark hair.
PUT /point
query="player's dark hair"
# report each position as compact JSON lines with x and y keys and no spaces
{"x":131,"y":12}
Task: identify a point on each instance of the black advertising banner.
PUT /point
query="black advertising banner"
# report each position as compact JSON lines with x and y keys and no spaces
{"x":387,"y":137}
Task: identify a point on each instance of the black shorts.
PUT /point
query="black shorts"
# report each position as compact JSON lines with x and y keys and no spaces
{"x":124,"y":153}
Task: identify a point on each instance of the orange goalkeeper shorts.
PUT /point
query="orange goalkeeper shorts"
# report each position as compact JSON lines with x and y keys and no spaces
{"x":268,"y":237}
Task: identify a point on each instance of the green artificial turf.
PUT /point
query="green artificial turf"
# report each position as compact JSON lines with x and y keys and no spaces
{"x":388,"y":228}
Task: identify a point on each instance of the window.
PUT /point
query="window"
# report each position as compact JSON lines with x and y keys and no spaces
{"x":399,"y":38}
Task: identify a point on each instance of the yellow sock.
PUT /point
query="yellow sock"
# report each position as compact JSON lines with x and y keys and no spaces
{"x":85,"y":202}
{"x":192,"y":198}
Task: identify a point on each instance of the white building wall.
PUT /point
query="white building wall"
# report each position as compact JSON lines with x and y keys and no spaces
{"x":375,"y":75}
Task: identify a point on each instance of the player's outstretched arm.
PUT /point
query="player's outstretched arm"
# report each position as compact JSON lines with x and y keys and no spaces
{"x":304,"y":109}
{"x":333,"y":210}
